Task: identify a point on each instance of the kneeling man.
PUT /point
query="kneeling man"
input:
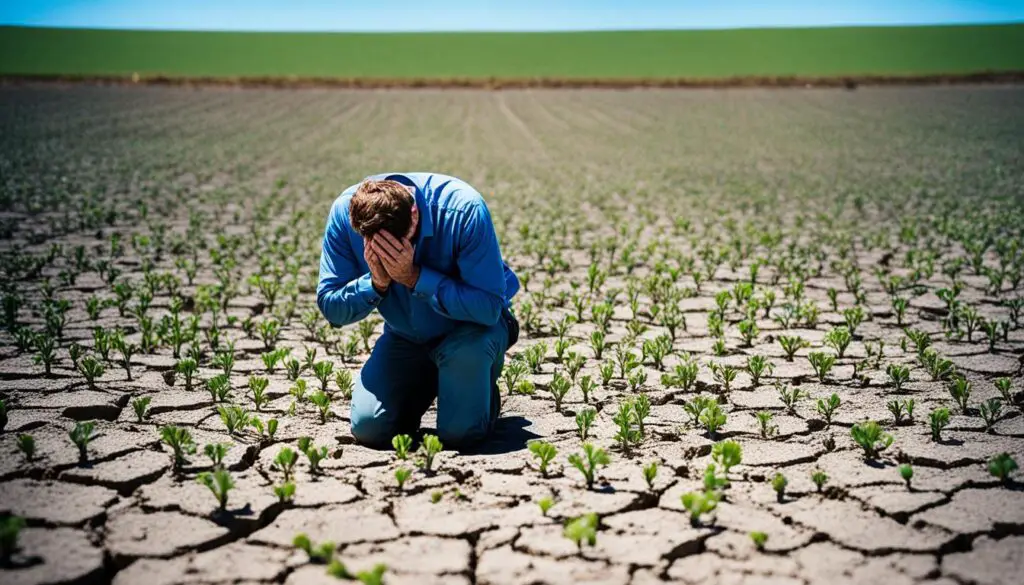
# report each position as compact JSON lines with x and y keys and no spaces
{"x":421,"y":249}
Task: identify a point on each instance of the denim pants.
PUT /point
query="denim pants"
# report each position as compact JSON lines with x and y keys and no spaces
{"x":401,"y":379}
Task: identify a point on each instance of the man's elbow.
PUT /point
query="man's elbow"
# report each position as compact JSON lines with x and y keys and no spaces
{"x":323,"y":298}
{"x":490,"y":312}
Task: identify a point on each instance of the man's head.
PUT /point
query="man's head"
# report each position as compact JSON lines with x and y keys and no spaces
{"x":383,"y":205}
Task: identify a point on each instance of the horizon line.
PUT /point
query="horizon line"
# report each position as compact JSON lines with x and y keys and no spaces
{"x":520,"y":31}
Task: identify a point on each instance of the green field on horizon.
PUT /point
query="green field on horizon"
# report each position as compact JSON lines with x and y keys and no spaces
{"x":696,"y":54}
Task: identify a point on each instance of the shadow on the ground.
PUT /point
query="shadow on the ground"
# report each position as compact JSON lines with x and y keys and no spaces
{"x":510,"y":434}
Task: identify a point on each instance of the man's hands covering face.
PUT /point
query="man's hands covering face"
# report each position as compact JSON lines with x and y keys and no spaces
{"x":378,"y":274}
{"x":395,"y":256}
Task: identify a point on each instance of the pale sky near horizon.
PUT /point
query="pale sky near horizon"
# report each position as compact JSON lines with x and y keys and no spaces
{"x":494,"y":15}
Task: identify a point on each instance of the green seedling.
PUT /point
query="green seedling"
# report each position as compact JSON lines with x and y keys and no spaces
{"x":187,"y":367}
{"x":650,"y":472}
{"x":10,"y":529}
{"x":258,"y":387}
{"x":938,"y":367}
{"x":779,"y":484}
{"x":907,"y":473}
{"x":27,"y":445}
{"x":635,"y":379}
{"x":712,"y":418}
{"x":402,"y":444}
{"x":429,"y":449}
{"x":1001,"y":466}
{"x":822,"y":363}
{"x":723,"y":375}
{"x":224,"y":360}
{"x":764,"y":424}
{"x":726,"y":454}
{"x":285,"y":492}
{"x":699,"y":504}
{"x":625,"y":420}
{"x":285,"y":461}
{"x":791,"y":344}
{"x":790,"y":396}
{"x":323,"y":404}
{"x":545,"y":504}
{"x":901,"y":409}
{"x":587,"y":385}
{"x":598,"y":343}
{"x":401,"y":476}
{"x":219,"y":483}
{"x":559,"y":387}
{"x":1004,"y":385}
{"x":319,"y":554}
{"x":588,"y":463}
{"x":828,"y":407}
{"x":898,"y":374}
{"x":234,"y":417}
{"x":584,"y":420}
{"x":343,"y":380}
{"x":607,"y":371}
{"x":819,"y":478}
{"x":991,"y":410}
{"x":216,"y":453}
{"x":91,"y":369}
{"x":141,"y":407}
{"x":512,"y":373}
{"x":180,"y":441}
{"x":219,"y":387}
{"x":871,"y":438}
{"x":758,"y":366}
{"x":314,"y":454}
{"x":582,"y":530}
{"x":435,"y":496}
{"x":960,"y":390}
{"x":81,"y":435}
{"x":544,"y":452}
{"x":938,"y":419}
{"x":759,"y":539}
{"x":323,"y":371}
{"x":838,"y":339}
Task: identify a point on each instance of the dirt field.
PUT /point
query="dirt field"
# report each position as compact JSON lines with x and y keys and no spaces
{"x":693,"y":239}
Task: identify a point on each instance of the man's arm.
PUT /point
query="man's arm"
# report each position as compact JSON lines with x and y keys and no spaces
{"x":479,"y":294}
{"x":345,"y":294}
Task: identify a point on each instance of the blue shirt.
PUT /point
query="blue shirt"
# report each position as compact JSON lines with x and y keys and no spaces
{"x":462,"y":274}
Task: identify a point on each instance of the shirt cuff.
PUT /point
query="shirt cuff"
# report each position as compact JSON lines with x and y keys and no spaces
{"x":365,"y":290}
{"x":426,"y":286}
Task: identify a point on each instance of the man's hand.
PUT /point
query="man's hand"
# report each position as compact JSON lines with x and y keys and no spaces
{"x":378,"y":274}
{"x":396,"y":256}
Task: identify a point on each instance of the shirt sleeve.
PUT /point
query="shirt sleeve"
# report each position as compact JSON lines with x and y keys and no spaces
{"x":345,"y":293}
{"x":478,"y":295}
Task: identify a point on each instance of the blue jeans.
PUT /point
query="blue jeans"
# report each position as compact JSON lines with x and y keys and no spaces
{"x":401,"y":379}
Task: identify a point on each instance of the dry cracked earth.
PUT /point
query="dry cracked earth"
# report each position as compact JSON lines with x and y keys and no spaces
{"x":604,"y":165}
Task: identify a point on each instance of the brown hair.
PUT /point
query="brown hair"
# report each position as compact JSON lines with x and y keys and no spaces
{"x":381,"y":205}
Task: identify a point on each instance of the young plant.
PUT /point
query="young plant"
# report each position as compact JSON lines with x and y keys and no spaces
{"x":27,"y":445}
{"x":323,"y":404}
{"x":141,"y":407}
{"x":819,"y":478}
{"x":559,"y":387}
{"x":821,"y":363}
{"x":588,"y":463}
{"x":81,"y":435}
{"x":1004,"y":385}
{"x":723,"y":375}
{"x":757,"y":367}
{"x":791,"y":344}
{"x":323,"y":371}
{"x":871,"y":438}
{"x":699,"y":504}
{"x":626,"y":422}
{"x":313,"y":453}
{"x":343,"y":380}
{"x":91,"y":369}
{"x":1001,"y":466}
{"x":402,"y":475}
{"x":582,"y":530}
{"x":402,"y":444}
{"x":938,"y":419}
{"x":429,"y":449}
{"x":320,"y":554}
{"x":544,"y":452}
{"x":960,"y":390}
{"x":216,"y":452}
{"x":726,"y":454}
{"x":545,"y":504}
{"x":790,"y":396}
{"x":991,"y":410}
{"x":512,"y":373}
{"x":650,"y":472}
{"x":712,"y":418}
{"x":907,"y":473}
{"x":759,"y":539}
{"x":584,"y":420}
{"x":10,"y":528}
{"x":285,"y":492}
{"x":901,"y":409}
{"x":764,"y":424}
{"x":779,"y":484}
{"x":839,"y":339}
{"x":127,"y":350}
{"x":187,"y":367}
{"x":180,"y":441}
{"x":898,"y":375}
{"x":587,"y":385}
{"x":828,"y":407}
{"x":285,"y":461}
{"x":258,"y":387}
{"x":219,"y":387}
{"x":219,"y":483}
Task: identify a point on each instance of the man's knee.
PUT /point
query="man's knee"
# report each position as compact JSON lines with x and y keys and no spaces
{"x":372,"y":429}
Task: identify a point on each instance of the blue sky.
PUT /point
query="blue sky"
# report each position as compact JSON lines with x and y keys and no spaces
{"x":411,"y":15}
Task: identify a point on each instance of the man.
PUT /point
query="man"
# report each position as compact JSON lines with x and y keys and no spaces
{"x":421,"y":249}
